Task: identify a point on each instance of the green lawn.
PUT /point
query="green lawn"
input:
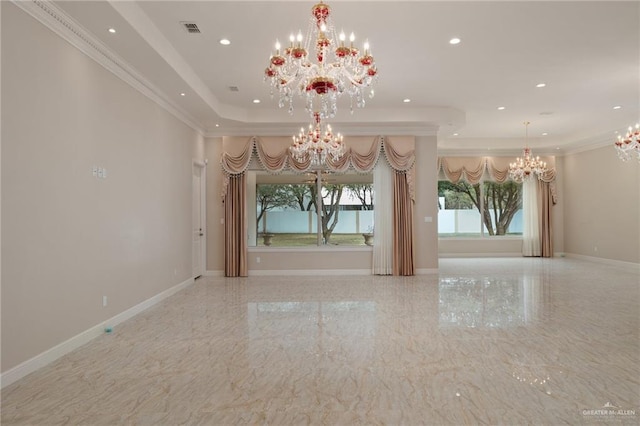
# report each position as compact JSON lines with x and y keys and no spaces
{"x":297,"y":240}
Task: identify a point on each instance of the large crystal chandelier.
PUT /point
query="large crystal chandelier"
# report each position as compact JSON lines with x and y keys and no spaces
{"x":629,"y":145}
{"x":527,"y":166}
{"x":338,"y":68}
{"x":317,"y":143}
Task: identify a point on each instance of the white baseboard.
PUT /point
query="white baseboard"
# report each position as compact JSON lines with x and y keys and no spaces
{"x":16,"y":373}
{"x":631,"y":266}
{"x":426,"y":271}
{"x":461,"y":255}
{"x":308,"y":272}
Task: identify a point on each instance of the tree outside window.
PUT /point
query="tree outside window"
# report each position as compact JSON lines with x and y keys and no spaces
{"x":499,"y":206}
{"x":290,"y":210}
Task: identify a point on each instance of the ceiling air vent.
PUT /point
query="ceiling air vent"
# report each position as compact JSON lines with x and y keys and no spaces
{"x":233,"y":89}
{"x":191,"y":27}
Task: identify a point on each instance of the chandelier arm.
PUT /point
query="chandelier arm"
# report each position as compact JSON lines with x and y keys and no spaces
{"x":356,"y":83}
{"x":629,"y":145}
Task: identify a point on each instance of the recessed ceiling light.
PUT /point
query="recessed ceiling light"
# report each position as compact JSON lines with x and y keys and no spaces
{"x":406,"y":101}
{"x":455,"y":40}
{"x":617,"y":107}
{"x":501,"y":108}
{"x":539,"y":85}
{"x":256,"y":101}
{"x":112,"y":30}
{"x":183,"y":94}
{"x":225,"y":41}
{"x":217,"y":125}
{"x":545,"y":134}
{"x":455,"y":134}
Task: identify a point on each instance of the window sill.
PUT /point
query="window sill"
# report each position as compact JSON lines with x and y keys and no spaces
{"x":310,"y":249}
{"x":485,"y":237}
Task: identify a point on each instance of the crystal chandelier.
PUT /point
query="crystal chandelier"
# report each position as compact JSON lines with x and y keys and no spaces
{"x":318,"y":143}
{"x":526,"y":167}
{"x":630,"y":144}
{"x":338,"y":68}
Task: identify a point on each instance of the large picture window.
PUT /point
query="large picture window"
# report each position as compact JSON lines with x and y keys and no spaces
{"x":487,"y":208}
{"x":288,"y":207}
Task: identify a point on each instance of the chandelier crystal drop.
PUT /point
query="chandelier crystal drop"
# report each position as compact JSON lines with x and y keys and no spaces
{"x":629,"y":145}
{"x":526,"y":167}
{"x":321,"y":67}
{"x":317,"y":143}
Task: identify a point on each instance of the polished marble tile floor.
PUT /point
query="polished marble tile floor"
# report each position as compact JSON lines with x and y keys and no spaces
{"x":485,"y":341}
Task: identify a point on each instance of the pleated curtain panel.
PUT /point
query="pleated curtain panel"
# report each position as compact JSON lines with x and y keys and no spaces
{"x":383,"y":186}
{"x":531,"y":226}
{"x":393,"y":245}
{"x":235,"y":233}
{"x":538,"y":196}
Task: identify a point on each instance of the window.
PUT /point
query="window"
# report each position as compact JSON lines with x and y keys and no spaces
{"x":287,"y":209}
{"x":485,"y":209}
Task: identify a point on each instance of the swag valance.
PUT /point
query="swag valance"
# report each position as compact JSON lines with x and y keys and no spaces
{"x":360,"y":162}
{"x":538,"y":196}
{"x":399,"y":250}
{"x":471,"y":169}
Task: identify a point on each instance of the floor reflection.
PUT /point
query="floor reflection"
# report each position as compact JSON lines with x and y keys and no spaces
{"x":491,"y":302}
{"x":502,"y":341}
{"x":319,"y":328}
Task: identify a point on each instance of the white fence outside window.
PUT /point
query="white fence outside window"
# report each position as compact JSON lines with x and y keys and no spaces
{"x":299,"y":222}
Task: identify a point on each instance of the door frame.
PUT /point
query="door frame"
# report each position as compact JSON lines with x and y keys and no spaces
{"x":202,"y":165}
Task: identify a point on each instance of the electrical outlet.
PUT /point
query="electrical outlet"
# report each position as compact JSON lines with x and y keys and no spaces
{"x":104,"y":301}
{"x":258,"y":259}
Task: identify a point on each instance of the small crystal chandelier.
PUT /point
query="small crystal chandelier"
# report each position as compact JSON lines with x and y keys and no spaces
{"x":318,"y":143}
{"x":339,"y":68}
{"x":630,"y":144}
{"x":524,"y":168}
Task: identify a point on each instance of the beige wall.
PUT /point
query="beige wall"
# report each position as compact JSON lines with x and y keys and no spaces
{"x":557,"y":210}
{"x":426,"y":204}
{"x":480,"y":247}
{"x":357,"y":260}
{"x":69,"y":238}
{"x":215,"y":207}
{"x":602,"y":199}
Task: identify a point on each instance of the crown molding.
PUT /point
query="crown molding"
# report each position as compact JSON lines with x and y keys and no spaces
{"x":54,"y":18}
{"x":588,"y":144}
{"x":288,"y":130}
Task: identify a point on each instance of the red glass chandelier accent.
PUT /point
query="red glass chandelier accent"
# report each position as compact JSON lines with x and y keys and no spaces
{"x":333,"y":70}
{"x":628,"y":145}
